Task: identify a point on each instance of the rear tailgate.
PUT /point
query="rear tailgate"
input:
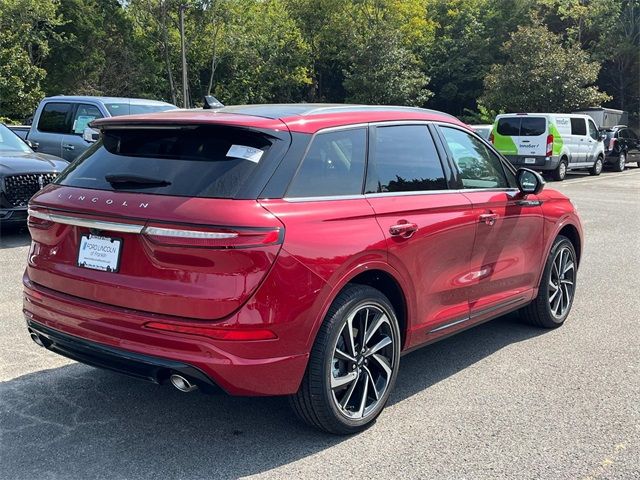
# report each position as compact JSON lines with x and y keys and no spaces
{"x":170,"y":252}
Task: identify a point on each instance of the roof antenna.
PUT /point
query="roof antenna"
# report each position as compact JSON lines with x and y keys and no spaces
{"x":211,"y":102}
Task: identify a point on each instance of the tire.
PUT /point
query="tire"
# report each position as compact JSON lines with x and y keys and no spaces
{"x":621,"y":163}
{"x":597,"y":167}
{"x":560,"y":172}
{"x":325,"y":384}
{"x":546,"y":310}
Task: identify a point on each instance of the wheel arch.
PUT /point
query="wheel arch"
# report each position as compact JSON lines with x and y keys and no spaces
{"x":390,"y":287}
{"x":571,"y":232}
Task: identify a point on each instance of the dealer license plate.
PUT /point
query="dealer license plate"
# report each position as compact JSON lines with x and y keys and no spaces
{"x":99,"y":253}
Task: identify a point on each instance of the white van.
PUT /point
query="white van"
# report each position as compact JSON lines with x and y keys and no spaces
{"x":551,"y":142}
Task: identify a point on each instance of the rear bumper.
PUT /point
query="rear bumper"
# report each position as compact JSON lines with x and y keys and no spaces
{"x":539,"y":162}
{"x":109,"y":337}
{"x":136,"y":365}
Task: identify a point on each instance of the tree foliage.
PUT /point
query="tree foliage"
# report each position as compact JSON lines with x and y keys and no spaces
{"x":540,"y":74}
{"x":466,"y":57}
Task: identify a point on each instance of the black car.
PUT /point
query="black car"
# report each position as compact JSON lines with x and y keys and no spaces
{"x":621,"y":146}
{"x":22,"y":173}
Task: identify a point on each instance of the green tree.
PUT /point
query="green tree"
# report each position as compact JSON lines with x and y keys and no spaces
{"x":26,"y":28}
{"x":539,"y":74}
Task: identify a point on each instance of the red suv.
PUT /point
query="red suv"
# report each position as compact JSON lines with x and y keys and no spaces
{"x":290,"y":250}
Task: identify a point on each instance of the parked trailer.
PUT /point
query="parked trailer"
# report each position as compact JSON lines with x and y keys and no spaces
{"x":606,"y":117}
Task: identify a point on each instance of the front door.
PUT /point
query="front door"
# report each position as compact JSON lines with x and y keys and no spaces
{"x":428,"y":228}
{"x":73,"y":143}
{"x":506,"y":255}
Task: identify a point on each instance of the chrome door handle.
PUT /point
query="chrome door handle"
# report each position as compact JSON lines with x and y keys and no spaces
{"x":488,"y":218}
{"x":401,"y":229}
{"x":68,"y":147}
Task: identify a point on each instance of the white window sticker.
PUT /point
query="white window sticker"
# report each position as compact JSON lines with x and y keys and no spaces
{"x":246,"y":153}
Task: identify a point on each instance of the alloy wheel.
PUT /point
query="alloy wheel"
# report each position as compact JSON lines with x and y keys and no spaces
{"x":562,"y":282}
{"x":562,"y":170}
{"x":363,"y":360}
{"x":622,"y":162}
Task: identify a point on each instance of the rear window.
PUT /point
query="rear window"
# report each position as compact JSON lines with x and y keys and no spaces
{"x":199,"y":161}
{"x":522,"y":126}
{"x":117,"y":109}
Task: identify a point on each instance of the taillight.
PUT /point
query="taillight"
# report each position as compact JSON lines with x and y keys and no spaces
{"x":214,"y":238}
{"x":218,"y":333}
{"x":612,"y":144}
{"x":491,"y":138}
{"x":38,"y":219}
{"x":549,"y":145}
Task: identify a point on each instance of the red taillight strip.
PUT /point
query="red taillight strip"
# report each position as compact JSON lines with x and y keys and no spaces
{"x":222,"y":237}
{"x":217,"y":333}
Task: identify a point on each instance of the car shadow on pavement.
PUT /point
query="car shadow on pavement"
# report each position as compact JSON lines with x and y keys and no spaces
{"x":79,"y":422}
{"x":12,"y":236}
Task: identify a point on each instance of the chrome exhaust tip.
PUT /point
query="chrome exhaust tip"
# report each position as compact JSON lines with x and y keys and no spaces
{"x":182,"y":383}
{"x":36,"y":338}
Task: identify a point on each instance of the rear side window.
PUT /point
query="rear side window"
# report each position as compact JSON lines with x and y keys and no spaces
{"x":55,"y":118}
{"x":333,"y":165}
{"x":522,"y":126}
{"x":578,"y":126}
{"x":404,"y":160}
{"x":199,"y":161}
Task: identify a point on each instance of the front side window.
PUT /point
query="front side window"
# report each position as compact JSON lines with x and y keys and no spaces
{"x":333,"y":165}
{"x":593,"y":131}
{"x":84,"y":115}
{"x":477,"y":166}
{"x":578,"y":126}
{"x":55,"y":118}
{"x":404,"y":160}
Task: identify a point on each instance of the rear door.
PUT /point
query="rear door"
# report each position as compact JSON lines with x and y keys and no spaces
{"x":506,"y":255}
{"x":428,"y":228}
{"x":53,"y":123}
{"x":532,"y":141}
{"x":161,"y":221}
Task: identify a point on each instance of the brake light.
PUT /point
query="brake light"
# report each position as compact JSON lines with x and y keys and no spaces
{"x":38,"y":219}
{"x":549,"y":145}
{"x":491,"y":138}
{"x":218,"y":333}
{"x":612,"y":144}
{"x":214,"y":238}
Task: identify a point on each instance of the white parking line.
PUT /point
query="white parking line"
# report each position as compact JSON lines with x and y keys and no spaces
{"x":595,"y":179}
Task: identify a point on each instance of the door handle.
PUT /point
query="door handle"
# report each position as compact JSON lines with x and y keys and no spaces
{"x":403,"y":229}
{"x":68,"y":147}
{"x":488,"y":218}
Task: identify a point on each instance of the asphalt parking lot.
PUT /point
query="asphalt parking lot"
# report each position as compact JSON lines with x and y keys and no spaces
{"x":503,"y":400}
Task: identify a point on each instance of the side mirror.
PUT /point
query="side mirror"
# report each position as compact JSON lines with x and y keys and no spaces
{"x":529,"y":182}
{"x":602,"y":137}
{"x":90,"y":135}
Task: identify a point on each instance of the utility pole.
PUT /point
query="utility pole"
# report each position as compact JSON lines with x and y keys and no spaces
{"x":185,"y":93}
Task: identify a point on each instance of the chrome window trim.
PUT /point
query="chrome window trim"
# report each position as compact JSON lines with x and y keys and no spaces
{"x":397,"y":194}
{"x":87,"y":223}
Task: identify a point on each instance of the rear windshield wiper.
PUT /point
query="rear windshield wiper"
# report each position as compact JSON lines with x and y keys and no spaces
{"x":134,"y":181}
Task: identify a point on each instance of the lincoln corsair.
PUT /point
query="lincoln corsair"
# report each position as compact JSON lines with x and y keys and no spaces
{"x":292,"y":250}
